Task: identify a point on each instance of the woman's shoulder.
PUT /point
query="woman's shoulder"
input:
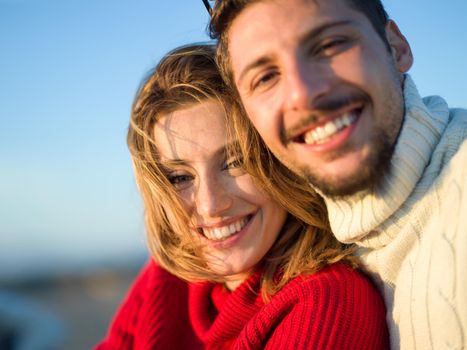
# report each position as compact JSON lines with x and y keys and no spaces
{"x":338,"y":289}
{"x":150,"y":277}
{"x":152,"y":274}
{"x":155,"y":298}
{"x":334,"y":308}
{"x":336,"y":279}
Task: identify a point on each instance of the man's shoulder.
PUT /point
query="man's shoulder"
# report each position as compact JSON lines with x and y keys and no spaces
{"x":458,"y":121}
{"x":455,"y":140}
{"x":457,"y":127}
{"x":456,"y":169}
{"x":451,"y":151}
{"x":452,"y":184}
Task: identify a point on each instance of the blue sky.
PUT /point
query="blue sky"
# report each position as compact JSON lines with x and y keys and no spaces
{"x":68,"y":74}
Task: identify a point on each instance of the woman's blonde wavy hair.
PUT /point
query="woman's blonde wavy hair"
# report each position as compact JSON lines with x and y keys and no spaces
{"x":186,"y":76}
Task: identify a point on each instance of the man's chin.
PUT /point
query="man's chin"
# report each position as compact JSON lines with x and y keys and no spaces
{"x":352,"y":169}
{"x":343,"y":186}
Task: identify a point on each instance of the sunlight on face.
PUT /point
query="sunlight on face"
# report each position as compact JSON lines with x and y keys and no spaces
{"x":234,"y":220}
{"x":321,"y":88}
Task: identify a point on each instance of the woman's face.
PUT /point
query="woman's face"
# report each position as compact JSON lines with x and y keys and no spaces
{"x":235,"y":222}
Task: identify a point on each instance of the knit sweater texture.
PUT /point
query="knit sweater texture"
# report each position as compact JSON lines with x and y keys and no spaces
{"x":412,"y":228}
{"x":336,"y":308}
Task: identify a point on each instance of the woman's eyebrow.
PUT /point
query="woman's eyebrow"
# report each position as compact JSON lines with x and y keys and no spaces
{"x":220,"y":152}
{"x":231,"y":146}
{"x":168,"y":164}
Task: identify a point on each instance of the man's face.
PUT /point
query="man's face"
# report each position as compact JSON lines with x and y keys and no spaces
{"x":321,"y":88}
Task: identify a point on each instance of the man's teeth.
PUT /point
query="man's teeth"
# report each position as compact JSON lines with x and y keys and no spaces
{"x":322,"y":133}
{"x":219,"y":233}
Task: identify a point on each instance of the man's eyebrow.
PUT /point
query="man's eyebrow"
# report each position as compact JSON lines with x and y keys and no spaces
{"x":320,"y":29}
{"x":306,"y":37}
{"x":256,"y":63}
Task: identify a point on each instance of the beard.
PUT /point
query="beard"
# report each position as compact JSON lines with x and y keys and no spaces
{"x":370,"y":173}
{"x":382,"y":141}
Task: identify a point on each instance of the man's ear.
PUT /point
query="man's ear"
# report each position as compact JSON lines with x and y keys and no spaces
{"x":401,"y":51}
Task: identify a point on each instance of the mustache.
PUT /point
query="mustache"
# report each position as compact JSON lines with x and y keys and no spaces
{"x":321,"y":109}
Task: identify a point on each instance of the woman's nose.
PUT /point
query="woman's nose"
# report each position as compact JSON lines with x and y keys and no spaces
{"x":213,"y":197}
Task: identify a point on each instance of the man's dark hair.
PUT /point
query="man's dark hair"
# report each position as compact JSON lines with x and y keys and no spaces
{"x":225,"y":12}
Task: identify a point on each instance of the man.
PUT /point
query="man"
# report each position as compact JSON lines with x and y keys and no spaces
{"x":324,"y":82}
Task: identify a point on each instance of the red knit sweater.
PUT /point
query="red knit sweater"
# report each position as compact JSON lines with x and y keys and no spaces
{"x":336,"y":308}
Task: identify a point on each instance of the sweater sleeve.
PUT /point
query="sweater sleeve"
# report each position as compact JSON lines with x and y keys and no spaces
{"x":154,"y":315}
{"x":336,"y":308}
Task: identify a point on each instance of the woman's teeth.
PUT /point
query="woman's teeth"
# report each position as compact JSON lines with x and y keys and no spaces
{"x":220,"y":233}
{"x":322,"y":133}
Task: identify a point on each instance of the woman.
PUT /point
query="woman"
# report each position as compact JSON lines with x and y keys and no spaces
{"x":235,"y":265}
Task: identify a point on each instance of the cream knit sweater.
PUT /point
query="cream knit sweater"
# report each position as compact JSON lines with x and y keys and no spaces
{"x":412,"y":230}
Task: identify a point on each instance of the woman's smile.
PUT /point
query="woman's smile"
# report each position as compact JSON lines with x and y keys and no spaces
{"x":235,"y":222}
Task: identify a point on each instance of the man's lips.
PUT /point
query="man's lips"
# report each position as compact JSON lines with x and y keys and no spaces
{"x":327,"y":126}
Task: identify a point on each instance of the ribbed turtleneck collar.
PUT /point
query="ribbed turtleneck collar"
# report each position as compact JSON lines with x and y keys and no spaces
{"x":218,"y":316}
{"x":354,"y":217}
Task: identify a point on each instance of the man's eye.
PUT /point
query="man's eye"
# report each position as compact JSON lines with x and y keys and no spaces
{"x":331,"y":47}
{"x":263,"y":80}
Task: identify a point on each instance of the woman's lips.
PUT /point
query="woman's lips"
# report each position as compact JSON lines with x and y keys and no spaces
{"x":223,"y":232}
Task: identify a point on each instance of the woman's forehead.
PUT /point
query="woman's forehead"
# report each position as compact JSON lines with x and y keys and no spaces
{"x":193,"y":132}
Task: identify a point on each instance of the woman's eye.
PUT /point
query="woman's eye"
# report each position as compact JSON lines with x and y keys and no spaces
{"x":234,"y":163}
{"x":179,"y":181}
{"x":234,"y":167}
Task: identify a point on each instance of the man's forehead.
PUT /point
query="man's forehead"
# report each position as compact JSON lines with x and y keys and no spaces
{"x":268,"y":25}
{"x":296,"y":3}
{"x":261,"y":16}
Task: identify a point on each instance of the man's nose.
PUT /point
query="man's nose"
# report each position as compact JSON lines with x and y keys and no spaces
{"x":305,"y":82}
